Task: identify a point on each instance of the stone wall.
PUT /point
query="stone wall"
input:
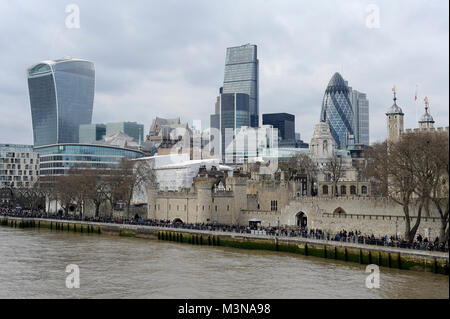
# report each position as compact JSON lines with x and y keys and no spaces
{"x":238,"y":204}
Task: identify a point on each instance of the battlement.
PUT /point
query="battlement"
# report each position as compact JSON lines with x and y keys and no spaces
{"x":431,"y":130}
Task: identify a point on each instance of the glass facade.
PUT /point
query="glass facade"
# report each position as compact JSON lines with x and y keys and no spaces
{"x":241,"y":76}
{"x":360,"y":105}
{"x":61,"y":99}
{"x":284,"y":122}
{"x":232,"y":112}
{"x":57,"y":159}
{"x":337,"y":111}
{"x":91,"y":132}
{"x":131,"y":129}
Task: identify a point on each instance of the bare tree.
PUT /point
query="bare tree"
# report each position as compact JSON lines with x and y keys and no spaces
{"x":302,"y":164}
{"x":334,"y":168}
{"x":404,"y":172}
{"x":65,"y":191}
{"x":132,"y":175}
{"x":433,"y":175}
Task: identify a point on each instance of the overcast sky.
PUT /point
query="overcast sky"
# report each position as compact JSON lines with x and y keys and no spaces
{"x":166,"y":58}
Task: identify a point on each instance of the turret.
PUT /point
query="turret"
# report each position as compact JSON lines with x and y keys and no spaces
{"x":426,"y":121}
{"x":394,"y":119}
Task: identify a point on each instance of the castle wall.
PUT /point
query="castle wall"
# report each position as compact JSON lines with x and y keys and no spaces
{"x":201,"y":204}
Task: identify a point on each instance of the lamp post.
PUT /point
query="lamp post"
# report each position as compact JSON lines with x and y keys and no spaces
{"x":396,"y":224}
{"x":278,"y":231}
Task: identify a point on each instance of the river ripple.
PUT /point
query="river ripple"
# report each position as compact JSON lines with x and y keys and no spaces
{"x":33,"y":263}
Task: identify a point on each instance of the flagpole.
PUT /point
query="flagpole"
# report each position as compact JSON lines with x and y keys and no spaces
{"x":415,"y":100}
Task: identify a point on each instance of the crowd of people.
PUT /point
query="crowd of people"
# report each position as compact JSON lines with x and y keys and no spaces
{"x":343,"y":236}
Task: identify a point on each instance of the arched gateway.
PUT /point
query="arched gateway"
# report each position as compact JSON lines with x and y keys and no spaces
{"x":301,"y":220}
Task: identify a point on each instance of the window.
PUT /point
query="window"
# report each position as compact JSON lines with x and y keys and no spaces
{"x":228,"y":207}
{"x":364,"y":190}
{"x":353,"y":190}
{"x":273,"y":205}
{"x":343,"y":190}
{"x":216,"y":208}
{"x":325,"y":189}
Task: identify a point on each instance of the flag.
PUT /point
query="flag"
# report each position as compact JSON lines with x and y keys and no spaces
{"x":415,"y":96}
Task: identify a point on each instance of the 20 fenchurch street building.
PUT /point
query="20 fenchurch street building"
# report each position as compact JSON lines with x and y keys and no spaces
{"x":61,"y":98}
{"x":241,"y":76}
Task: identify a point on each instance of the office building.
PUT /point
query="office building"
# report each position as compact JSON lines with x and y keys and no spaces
{"x":284,"y":122}
{"x":131,"y":129}
{"x":360,"y":105}
{"x":242,"y":76}
{"x":56,"y":160}
{"x":19,"y":166}
{"x":337,"y":111}
{"x":91,"y":132}
{"x":232,"y":112}
{"x":61,"y":98}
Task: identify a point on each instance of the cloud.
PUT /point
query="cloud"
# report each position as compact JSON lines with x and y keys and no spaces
{"x":166,"y":58}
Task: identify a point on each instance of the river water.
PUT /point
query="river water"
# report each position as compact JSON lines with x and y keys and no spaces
{"x":33,"y":265}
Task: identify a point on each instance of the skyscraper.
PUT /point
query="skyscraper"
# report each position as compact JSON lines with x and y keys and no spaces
{"x":61,"y":98}
{"x":337,"y":111}
{"x":360,"y":105}
{"x":232,"y":112}
{"x":284,"y":122}
{"x":242,"y":76}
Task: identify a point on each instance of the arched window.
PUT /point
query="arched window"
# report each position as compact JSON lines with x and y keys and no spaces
{"x":364,"y":190}
{"x":353,"y":190}
{"x":325,"y":189}
{"x":339,"y":210}
{"x":343,"y":190}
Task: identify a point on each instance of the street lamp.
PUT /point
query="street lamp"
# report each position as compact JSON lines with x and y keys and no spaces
{"x":278,"y":231}
{"x":396,"y":224}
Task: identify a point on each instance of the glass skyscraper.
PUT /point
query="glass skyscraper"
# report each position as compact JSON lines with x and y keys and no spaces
{"x":284,"y":122}
{"x":232,"y":112}
{"x":337,"y":111}
{"x":61,"y":98}
{"x":242,"y":76}
{"x":360,"y":105}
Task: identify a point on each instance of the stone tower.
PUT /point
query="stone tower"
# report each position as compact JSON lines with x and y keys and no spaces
{"x":152,"y":193}
{"x":394,"y":117}
{"x":203,"y":185}
{"x":426,"y":121}
{"x":321,"y":147}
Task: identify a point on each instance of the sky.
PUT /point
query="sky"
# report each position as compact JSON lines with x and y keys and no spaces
{"x":166,"y":58}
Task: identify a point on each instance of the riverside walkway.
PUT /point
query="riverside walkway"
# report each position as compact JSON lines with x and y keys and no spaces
{"x":149,"y":229}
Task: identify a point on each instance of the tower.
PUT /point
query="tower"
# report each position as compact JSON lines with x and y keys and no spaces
{"x":426,"y":121}
{"x":394,"y":118}
{"x":61,"y":99}
{"x":337,"y":111}
{"x":242,"y":76}
{"x":321,"y":148}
